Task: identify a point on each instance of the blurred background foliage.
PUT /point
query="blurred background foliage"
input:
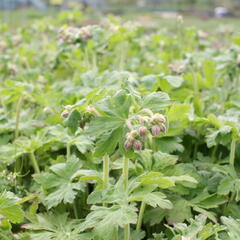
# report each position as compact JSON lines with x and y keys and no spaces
{"x":22,"y":12}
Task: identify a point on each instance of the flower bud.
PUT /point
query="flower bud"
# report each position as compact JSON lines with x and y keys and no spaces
{"x":128,"y":144}
{"x":142,"y":131}
{"x":133,"y":134}
{"x":137,"y":145}
{"x":143,"y":119}
{"x":129,"y":124}
{"x":163,"y":128}
{"x":47,"y":110}
{"x":158,"y":118}
{"x":68,"y":107}
{"x":156,"y":129}
{"x":65,"y":114}
{"x":93,"y":110}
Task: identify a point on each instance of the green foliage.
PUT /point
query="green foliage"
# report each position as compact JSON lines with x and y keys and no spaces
{"x":118,"y":130}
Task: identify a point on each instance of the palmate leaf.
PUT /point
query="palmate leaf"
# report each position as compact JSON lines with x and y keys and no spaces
{"x":154,"y":199}
{"x":233,"y":227}
{"x":181,"y":210}
{"x":164,"y":181}
{"x":178,"y":117}
{"x":216,"y":135}
{"x":108,"y":142}
{"x":168,"y":144}
{"x":10,"y":208}
{"x":60,"y":134}
{"x":56,"y":227}
{"x":155,"y":101}
{"x":109,"y":128}
{"x":58,"y":183}
{"x":72,"y":122}
{"x":197,"y":229}
{"x":105,"y":220}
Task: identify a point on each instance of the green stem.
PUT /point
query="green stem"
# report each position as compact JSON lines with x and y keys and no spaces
{"x":116,"y":233}
{"x":232,"y":151}
{"x":125,"y":172}
{"x":125,"y":183}
{"x":94,"y":60}
{"x":195,"y":82}
{"x":18,"y":111}
{"x":68,"y":151}
{"x":34,"y":162}
{"x":126,"y":232}
{"x":75,"y":209}
{"x":123,"y":51}
{"x":140,"y":216}
{"x":106,"y":171}
{"x":195,"y":150}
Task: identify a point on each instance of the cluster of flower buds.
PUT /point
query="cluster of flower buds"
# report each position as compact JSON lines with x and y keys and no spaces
{"x":143,"y":125}
{"x":73,"y":35}
{"x":67,"y":110}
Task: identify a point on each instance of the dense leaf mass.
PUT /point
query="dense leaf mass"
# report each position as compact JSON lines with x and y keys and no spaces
{"x":119,"y":130}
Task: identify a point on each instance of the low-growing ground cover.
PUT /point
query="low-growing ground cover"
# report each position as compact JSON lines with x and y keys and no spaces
{"x":121,"y":130}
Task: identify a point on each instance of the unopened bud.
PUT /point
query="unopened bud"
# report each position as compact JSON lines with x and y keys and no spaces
{"x":128,"y":144}
{"x":68,"y":107}
{"x":133,"y":134}
{"x":47,"y":110}
{"x":142,"y":131}
{"x":65,"y":114}
{"x":163,"y":128}
{"x":143,"y":119}
{"x":129,"y":124}
{"x":137,"y":145}
{"x":156,"y":129}
{"x":92,"y":109}
{"x":158,"y":118}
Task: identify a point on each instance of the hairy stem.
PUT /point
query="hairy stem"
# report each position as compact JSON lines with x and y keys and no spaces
{"x":126,"y":232}
{"x":125,"y":182}
{"x":232,"y":151}
{"x":125,"y":172}
{"x":18,"y":111}
{"x":140,"y":216}
{"x":106,"y":171}
{"x":34,"y":162}
{"x":75,"y":209}
{"x":68,"y":151}
{"x":116,"y":233}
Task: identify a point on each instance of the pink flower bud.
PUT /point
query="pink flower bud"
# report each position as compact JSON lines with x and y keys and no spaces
{"x":137,"y":145}
{"x":127,"y":144}
{"x":65,"y":114}
{"x":156,"y":130}
{"x":163,"y":128}
{"x":142,"y":131}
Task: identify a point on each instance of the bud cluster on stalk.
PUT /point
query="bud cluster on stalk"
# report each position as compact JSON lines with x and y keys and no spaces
{"x":143,"y":125}
{"x":73,"y":35}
